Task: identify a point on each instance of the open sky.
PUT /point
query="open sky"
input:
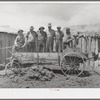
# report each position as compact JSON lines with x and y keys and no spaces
{"x":23,"y":15}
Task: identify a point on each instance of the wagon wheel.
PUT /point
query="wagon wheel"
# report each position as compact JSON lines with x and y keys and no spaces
{"x":72,"y":65}
{"x":12,"y":68}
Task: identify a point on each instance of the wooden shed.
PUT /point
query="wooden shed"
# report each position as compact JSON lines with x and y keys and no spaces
{"x":7,"y":37}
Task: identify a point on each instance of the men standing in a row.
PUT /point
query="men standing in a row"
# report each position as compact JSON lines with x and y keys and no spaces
{"x":44,"y":41}
{"x":42,"y":37}
{"x":59,"y":39}
{"x":32,"y":40}
{"x":50,"y":38}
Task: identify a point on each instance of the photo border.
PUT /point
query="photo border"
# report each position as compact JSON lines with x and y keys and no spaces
{"x":50,"y":93}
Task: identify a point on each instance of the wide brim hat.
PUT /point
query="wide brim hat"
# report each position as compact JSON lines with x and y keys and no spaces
{"x":67,"y":28}
{"x":49,"y":25}
{"x":20,"y":30}
{"x":58,"y":27}
{"x":31,"y":27}
{"x":41,"y":28}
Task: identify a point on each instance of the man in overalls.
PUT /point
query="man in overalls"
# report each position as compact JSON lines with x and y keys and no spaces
{"x":59,"y":39}
{"x":42,"y":37}
{"x":32,"y":40}
{"x":50,"y":38}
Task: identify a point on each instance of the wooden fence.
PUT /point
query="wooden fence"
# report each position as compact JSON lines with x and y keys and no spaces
{"x":89,"y":45}
{"x":6,"y":40}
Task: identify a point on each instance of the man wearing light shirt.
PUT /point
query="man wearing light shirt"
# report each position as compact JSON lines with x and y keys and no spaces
{"x":32,"y":40}
{"x":50,"y":38}
{"x":59,"y":39}
{"x":68,"y":39}
{"x":42,"y":37}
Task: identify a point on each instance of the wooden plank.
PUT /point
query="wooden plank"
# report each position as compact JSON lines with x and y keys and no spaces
{"x":6,"y":50}
{"x":92,"y":49}
{"x":96,"y":52}
{"x":34,"y":57}
{"x":86,"y":49}
{"x":3,"y":45}
{"x":0,"y":47}
{"x":83,"y":45}
{"x":41,"y":55}
{"x":79,"y":43}
{"x":99,"y":44}
{"x":89,"y":48}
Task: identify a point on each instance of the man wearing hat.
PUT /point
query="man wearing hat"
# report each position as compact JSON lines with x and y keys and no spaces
{"x":19,"y":42}
{"x":68,"y":39}
{"x":59,"y":39}
{"x":32,"y":40}
{"x":50,"y":38}
{"x":42,"y":37}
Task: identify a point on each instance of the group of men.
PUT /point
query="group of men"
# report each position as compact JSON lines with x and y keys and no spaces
{"x":43,"y":41}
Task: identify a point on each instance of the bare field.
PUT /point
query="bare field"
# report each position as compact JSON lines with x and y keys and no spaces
{"x":26,"y":80}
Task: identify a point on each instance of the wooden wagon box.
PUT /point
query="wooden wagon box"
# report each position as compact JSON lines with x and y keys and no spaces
{"x":27,"y":57}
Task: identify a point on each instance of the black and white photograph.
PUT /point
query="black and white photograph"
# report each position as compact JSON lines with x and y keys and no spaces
{"x":49,"y":45}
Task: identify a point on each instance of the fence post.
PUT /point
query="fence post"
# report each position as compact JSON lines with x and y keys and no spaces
{"x":96,"y":51}
{"x":89,"y":47}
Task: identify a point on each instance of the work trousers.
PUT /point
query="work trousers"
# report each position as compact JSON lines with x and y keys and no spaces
{"x":41,"y":45}
{"x":59,"y":45}
{"x":32,"y":46}
{"x":50,"y":45}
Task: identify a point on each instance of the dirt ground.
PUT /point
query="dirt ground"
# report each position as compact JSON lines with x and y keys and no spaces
{"x":88,"y":80}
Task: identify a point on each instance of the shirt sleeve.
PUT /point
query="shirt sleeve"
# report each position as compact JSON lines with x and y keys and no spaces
{"x":45,"y":34}
{"x":62,"y":34}
{"x":25,"y":40}
{"x":54,"y":33}
{"x":16,"y":40}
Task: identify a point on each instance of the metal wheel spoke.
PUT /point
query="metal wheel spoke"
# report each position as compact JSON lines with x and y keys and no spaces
{"x":67,"y":59}
{"x":65,"y":66}
{"x":64,"y":60}
{"x":68,"y":72}
{"x":77,"y":71}
{"x":73,"y":69}
{"x":78,"y":62}
{"x":70,"y":59}
{"x":76,"y":59}
{"x":65,"y":63}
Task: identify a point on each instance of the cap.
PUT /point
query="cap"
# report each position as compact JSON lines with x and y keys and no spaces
{"x":67,"y":28}
{"x":20,"y":30}
{"x":41,"y":28}
{"x":49,"y":25}
{"x":31,"y":27}
{"x":58,"y":27}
